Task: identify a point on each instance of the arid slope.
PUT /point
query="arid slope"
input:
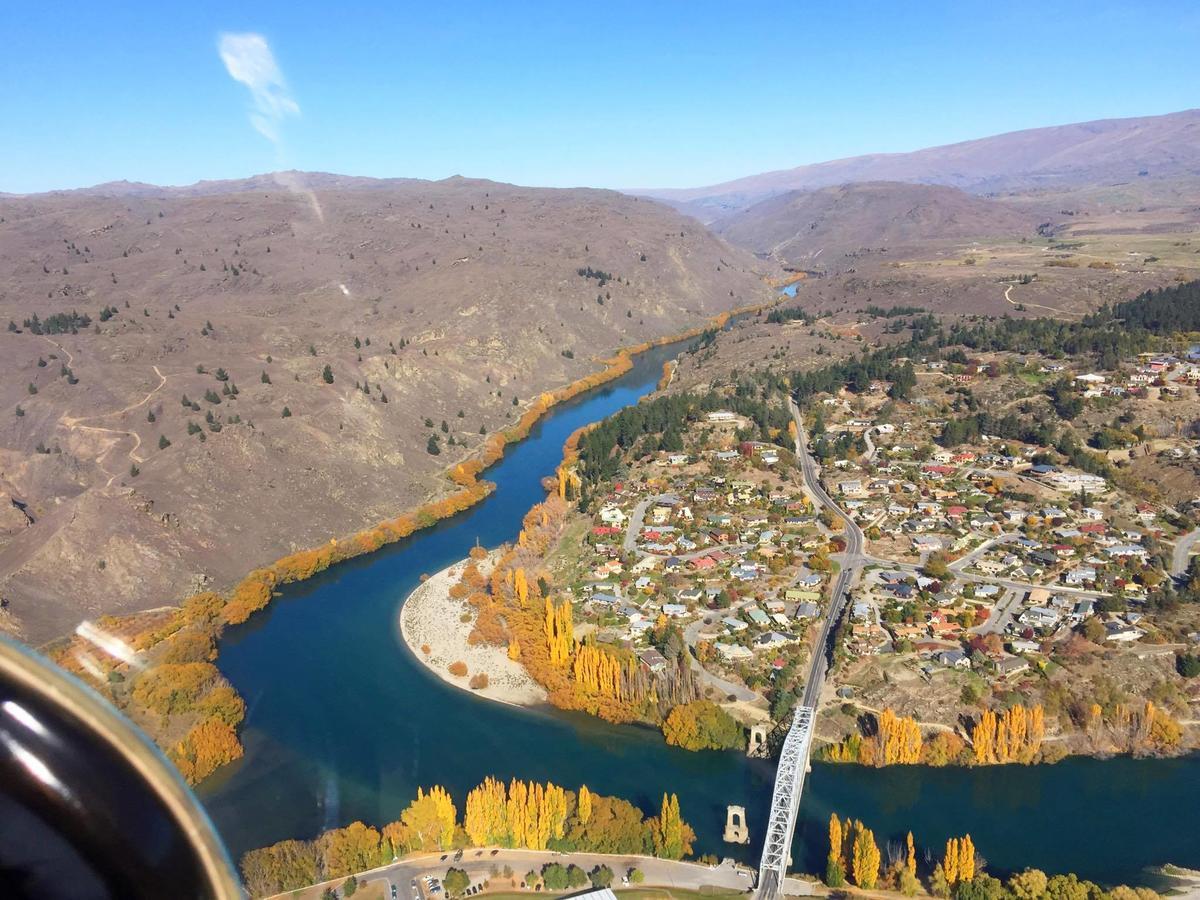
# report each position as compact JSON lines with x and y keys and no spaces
{"x":803,"y":228}
{"x":457,"y":301}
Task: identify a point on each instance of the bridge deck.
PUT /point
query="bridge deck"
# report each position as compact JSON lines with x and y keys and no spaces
{"x":785,"y":803}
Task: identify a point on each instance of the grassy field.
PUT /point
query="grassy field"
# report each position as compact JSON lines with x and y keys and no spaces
{"x":566,"y":559}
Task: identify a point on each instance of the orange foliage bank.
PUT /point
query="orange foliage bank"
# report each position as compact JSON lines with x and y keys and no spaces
{"x":898,"y":740}
{"x":256,"y":589}
{"x":668,"y":373}
{"x":790,"y":278}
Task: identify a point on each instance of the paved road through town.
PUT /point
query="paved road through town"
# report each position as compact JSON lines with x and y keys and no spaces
{"x":1181,"y":555}
{"x":853,"y":560}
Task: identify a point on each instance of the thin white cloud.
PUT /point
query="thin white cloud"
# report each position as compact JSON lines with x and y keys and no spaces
{"x":249,"y":61}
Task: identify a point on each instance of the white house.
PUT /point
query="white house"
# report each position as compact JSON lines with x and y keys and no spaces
{"x":612,"y":515}
{"x":1039,"y":617}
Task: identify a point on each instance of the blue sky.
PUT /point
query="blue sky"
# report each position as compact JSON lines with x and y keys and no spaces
{"x":649,"y":94}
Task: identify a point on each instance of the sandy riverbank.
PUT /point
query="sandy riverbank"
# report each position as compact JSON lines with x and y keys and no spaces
{"x":431,"y":618}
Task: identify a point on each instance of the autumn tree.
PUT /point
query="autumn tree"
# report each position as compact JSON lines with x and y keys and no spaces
{"x":1013,"y":736}
{"x":667,"y":831}
{"x":560,"y":634}
{"x":899,"y":739}
{"x":584,"y":808}
{"x":701,"y":725}
{"x":1028,"y":885}
{"x":285,"y":866}
{"x":943,"y":749}
{"x":599,"y":671}
{"x":344,"y":851}
{"x":865,"y":857}
{"x":966,"y":858}
{"x":950,"y":862}
{"x":430,"y":819}
{"x":958,"y":864}
{"x":208,"y":745}
{"x":835,"y":864}
{"x":485,"y":817}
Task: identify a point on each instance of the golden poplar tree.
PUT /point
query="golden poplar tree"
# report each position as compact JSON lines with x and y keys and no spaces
{"x":599,"y":672}
{"x":517,"y":811}
{"x":430,"y":819}
{"x":984,"y":737}
{"x":899,"y":739}
{"x":560,"y":632}
{"x":1037,"y":727}
{"x":485,"y":818}
{"x":1013,"y":736}
{"x":585,"y":804}
{"x":911,"y":861}
{"x":835,"y":865}
{"x":836,"y":839}
{"x":966,"y":858}
{"x":866,"y":857}
{"x":555,"y":810}
{"x":950,"y":862}
{"x":668,"y":831}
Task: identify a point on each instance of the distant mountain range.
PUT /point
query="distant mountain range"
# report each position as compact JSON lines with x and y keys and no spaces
{"x":1115,"y":150}
{"x":267,"y":182}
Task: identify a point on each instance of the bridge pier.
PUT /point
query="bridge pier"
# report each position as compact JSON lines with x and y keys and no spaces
{"x":758,"y":741}
{"x":736,"y":831}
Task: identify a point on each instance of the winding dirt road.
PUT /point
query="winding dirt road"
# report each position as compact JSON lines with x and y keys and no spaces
{"x":75,"y":423}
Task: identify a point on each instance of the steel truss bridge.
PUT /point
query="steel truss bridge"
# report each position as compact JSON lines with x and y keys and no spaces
{"x":785,"y":803}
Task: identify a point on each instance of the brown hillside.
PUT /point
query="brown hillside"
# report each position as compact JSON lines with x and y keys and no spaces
{"x":472,"y":284}
{"x":822,"y":228}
